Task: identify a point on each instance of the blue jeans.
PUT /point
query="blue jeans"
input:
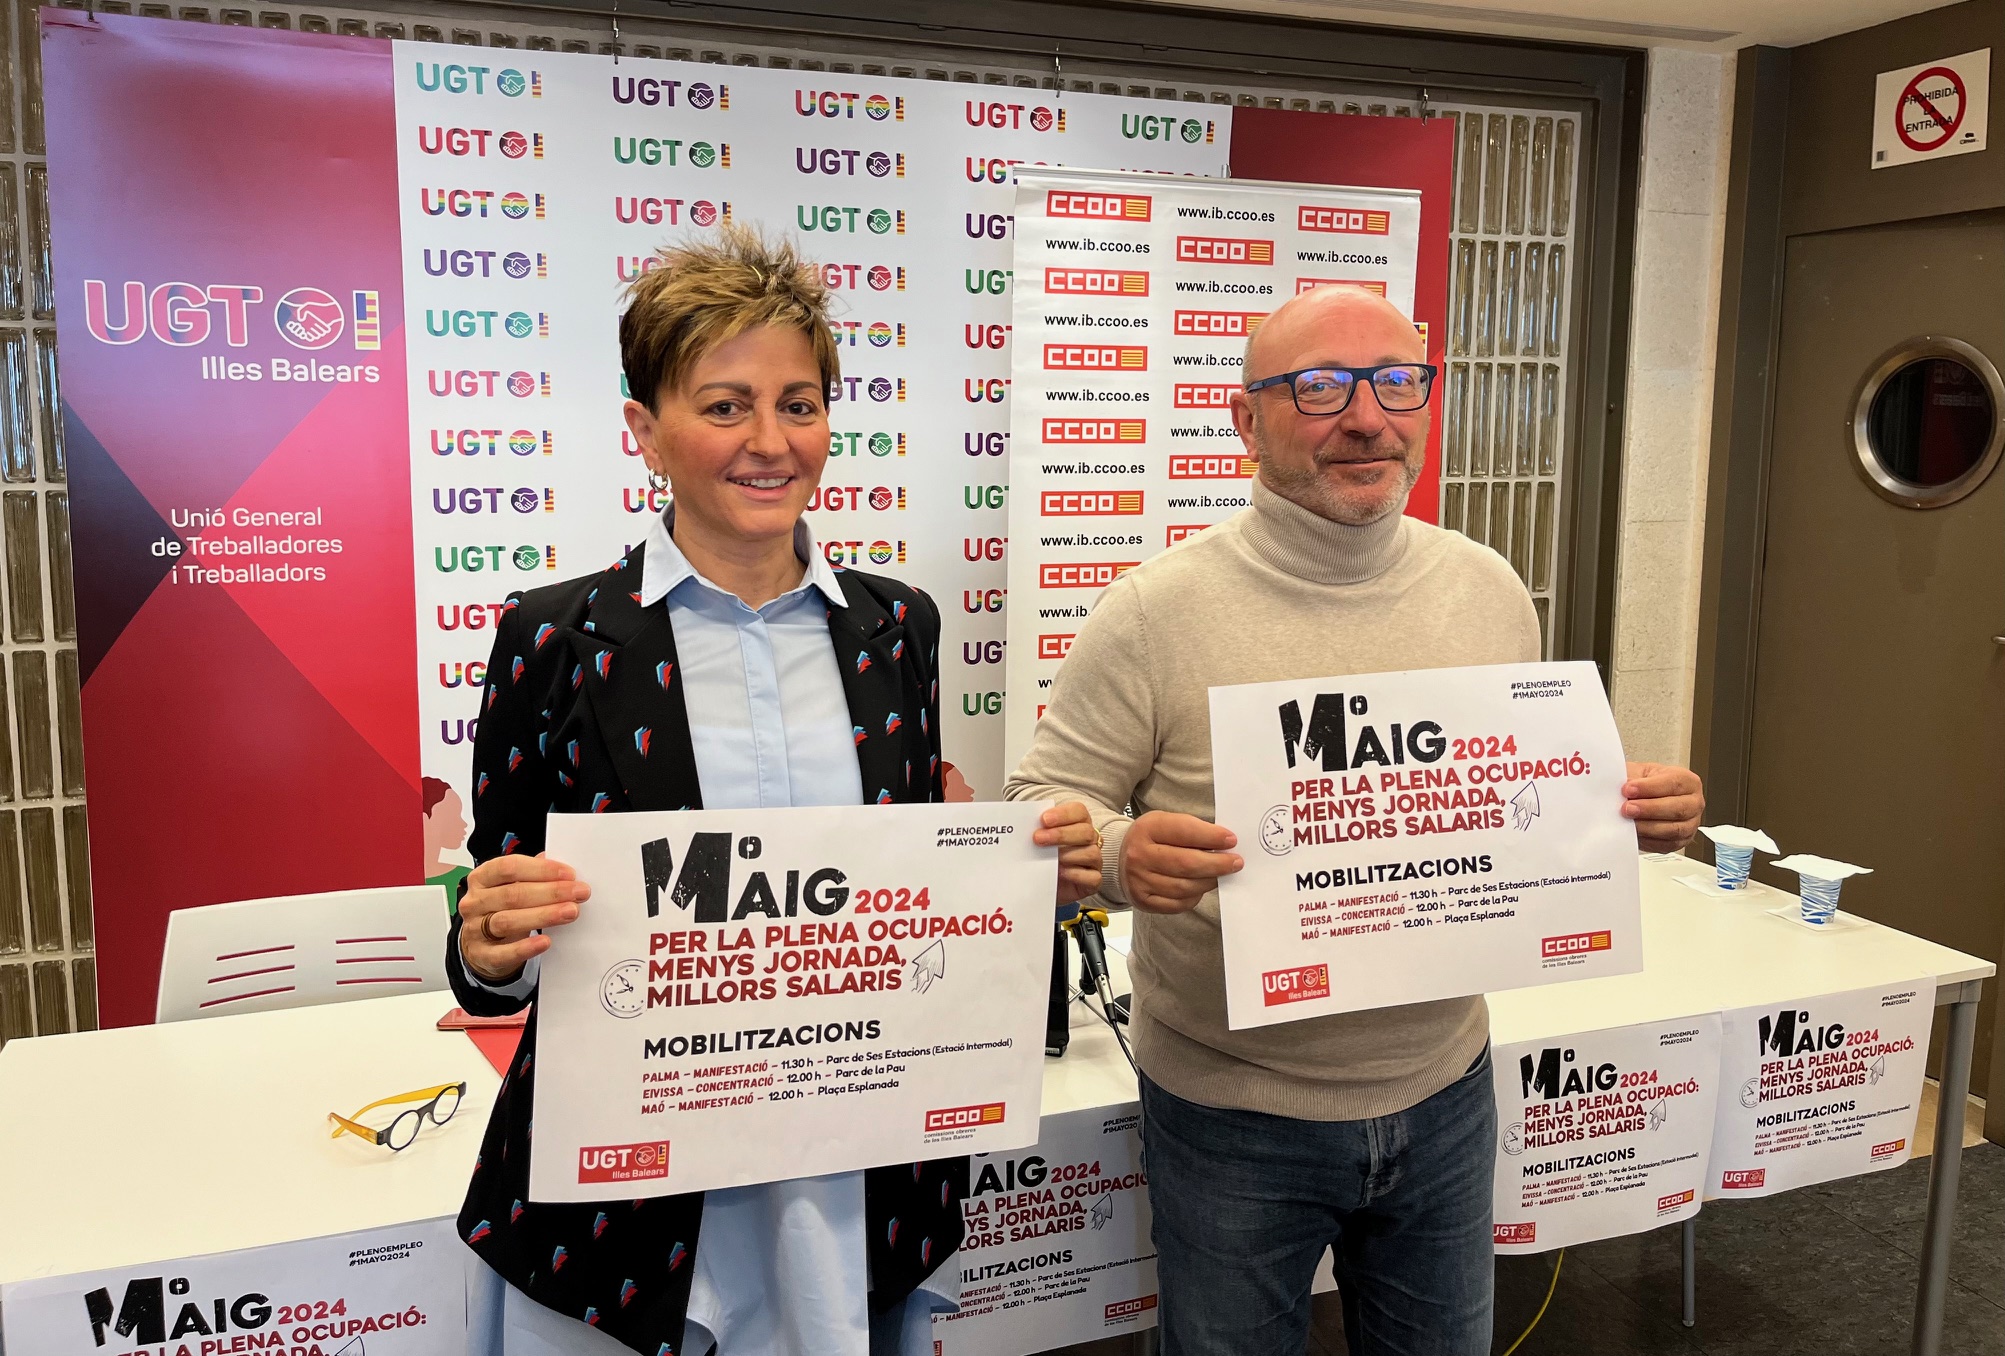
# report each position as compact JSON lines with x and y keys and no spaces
{"x":1245,"y":1204}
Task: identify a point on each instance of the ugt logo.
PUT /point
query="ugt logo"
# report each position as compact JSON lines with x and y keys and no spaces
{"x":1015,"y":117}
{"x":453,"y":78}
{"x":649,"y":91}
{"x":1155,"y":127}
{"x":185,"y":314}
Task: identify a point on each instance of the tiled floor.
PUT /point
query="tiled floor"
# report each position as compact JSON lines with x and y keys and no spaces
{"x":1826,"y":1271}
{"x":1924,"y":1126}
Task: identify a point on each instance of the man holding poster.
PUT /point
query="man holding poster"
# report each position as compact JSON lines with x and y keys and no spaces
{"x":1371,"y":1132}
{"x":723,"y":667}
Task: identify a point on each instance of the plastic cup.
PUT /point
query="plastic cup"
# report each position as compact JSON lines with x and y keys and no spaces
{"x":1732,"y":863}
{"x":1820,"y":899}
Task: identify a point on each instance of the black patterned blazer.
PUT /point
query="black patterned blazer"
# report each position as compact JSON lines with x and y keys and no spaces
{"x":578,"y":668}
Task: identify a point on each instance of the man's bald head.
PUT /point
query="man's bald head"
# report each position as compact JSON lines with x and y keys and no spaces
{"x":1325,"y":315}
{"x":1355,"y":466}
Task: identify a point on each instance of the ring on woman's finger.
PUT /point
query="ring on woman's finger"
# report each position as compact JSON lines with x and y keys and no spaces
{"x":487,"y":929}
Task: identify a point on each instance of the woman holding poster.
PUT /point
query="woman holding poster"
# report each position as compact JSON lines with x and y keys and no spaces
{"x":721,"y":664}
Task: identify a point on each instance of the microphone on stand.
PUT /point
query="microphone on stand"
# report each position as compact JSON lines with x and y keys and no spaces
{"x":1085,"y":925}
{"x":1092,"y":942}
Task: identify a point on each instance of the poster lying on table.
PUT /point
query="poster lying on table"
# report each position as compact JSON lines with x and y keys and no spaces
{"x":1057,"y":1249}
{"x":1819,"y":1088}
{"x":1604,"y":1133}
{"x":1421,"y":835}
{"x":755,"y":995}
{"x":399,"y":1291}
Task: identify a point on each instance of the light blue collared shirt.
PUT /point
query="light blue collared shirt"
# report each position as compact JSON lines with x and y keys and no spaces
{"x":780,"y":1268}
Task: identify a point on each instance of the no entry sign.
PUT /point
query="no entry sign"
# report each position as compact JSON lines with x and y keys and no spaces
{"x":1936,"y":109}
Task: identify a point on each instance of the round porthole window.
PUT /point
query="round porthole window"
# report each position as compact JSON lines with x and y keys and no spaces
{"x":1928,"y":427}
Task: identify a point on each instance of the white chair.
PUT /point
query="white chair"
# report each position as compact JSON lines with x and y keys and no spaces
{"x":298,"y":950}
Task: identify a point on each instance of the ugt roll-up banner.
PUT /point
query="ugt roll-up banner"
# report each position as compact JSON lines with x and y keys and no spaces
{"x":228,"y":271}
{"x":1135,"y":298}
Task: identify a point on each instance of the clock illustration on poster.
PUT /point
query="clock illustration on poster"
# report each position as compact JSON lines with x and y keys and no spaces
{"x":1275,"y":834}
{"x":624,"y":989}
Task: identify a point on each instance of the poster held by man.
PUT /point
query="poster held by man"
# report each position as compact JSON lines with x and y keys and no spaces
{"x":1422,"y":835}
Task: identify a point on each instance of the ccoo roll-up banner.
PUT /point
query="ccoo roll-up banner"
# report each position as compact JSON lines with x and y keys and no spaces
{"x":1135,"y":297}
{"x":292,"y":538}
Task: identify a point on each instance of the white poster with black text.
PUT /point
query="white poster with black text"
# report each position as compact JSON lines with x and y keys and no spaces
{"x":1421,"y":835}
{"x":1604,"y":1133}
{"x":399,"y":1291}
{"x":756,"y":995}
{"x":1057,"y":1250}
{"x":1819,"y":1088}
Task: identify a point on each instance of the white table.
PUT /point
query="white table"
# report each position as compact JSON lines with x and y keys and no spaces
{"x":150,"y":1143}
{"x":154,"y":1143}
{"x":1704,"y":954}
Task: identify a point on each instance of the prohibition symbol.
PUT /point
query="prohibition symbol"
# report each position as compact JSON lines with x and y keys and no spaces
{"x":1930,"y":112}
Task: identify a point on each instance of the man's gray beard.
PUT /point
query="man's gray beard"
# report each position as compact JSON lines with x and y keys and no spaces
{"x":1312,"y":492}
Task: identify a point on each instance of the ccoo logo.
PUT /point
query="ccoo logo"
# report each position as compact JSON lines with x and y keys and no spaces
{"x":1341,"y":220}
{"x":1221,"y":249}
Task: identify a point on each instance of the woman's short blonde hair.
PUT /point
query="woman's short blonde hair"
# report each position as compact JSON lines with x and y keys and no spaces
{"x":703,"y":292}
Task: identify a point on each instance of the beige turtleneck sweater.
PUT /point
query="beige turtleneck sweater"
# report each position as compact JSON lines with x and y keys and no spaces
{"x":1272,"y":593}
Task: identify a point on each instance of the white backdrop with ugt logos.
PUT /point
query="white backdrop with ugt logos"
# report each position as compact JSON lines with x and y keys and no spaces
{"x":526,"y":209}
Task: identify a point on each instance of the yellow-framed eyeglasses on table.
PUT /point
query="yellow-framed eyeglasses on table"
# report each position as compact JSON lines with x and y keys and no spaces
{"x":439,"y":1105}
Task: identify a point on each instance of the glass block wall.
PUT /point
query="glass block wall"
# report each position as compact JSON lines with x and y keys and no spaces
{"x":1504,"y":435}
{"x":47,"y":981}
{"x":1504,"y":439}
